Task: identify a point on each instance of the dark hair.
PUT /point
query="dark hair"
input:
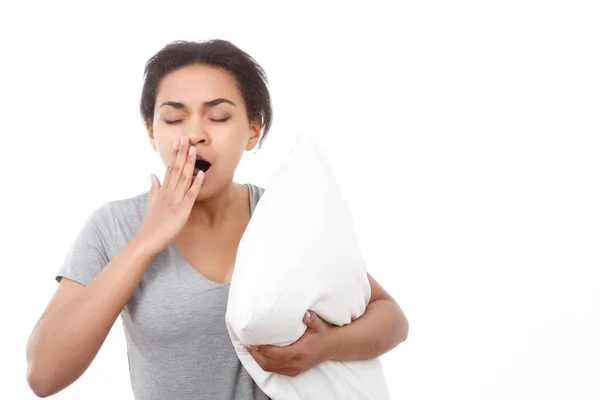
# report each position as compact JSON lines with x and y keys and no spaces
{"x":251,"y":78}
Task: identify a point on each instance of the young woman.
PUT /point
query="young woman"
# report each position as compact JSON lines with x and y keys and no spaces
{"x":163,"y":259}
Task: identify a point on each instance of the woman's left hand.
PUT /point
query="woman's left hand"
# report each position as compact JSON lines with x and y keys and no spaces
{"x":314,"y":347}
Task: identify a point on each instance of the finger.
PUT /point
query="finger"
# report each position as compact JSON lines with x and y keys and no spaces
{"x":192,"y":193}
{"x":185,"y":179}
{"x":270,"y":352}
{"x":257,"y":353}
{"x":171,"y":166}
{"x":155,"y":185}
{"x":310,"y":320}
{"x":313,"y":321}
{"x":260,"y":360}
{"x":182,"y":155}
{"x":278,"y":353}
{"x":289,"y":373}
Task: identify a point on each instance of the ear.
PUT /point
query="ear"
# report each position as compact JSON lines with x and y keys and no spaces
{"x":150,"y":130}
{"x":255,"y":128}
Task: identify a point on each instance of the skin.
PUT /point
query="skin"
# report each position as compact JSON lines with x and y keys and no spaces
{"x":381,"y":328}
{"x":204,"y":217}
{"x":210,"y":237}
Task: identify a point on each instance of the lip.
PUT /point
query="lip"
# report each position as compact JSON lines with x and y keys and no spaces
{"x":199,"y":157}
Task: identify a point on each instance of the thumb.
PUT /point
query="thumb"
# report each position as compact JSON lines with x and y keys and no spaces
{"x":311,"y":320}
{"x":155,"y":184}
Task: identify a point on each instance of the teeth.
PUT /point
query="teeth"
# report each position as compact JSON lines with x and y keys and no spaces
{"x":202,"y":165}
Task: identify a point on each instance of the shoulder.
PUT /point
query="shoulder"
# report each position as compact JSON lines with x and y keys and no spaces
{"x":255,"y":192}
{"x":255,"y":189}
{"x":118,"y":215}
{"x":129,"y":205}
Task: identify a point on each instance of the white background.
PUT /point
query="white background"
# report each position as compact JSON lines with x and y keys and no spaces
{"x":464,"y":134}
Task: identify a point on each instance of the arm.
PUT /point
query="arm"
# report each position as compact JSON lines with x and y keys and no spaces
{"x":381,"y":328}
{"x":77,"y":320}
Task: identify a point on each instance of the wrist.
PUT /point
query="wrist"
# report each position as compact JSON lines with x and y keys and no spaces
{"x":335,"y":344}
{"x":143,"y":246}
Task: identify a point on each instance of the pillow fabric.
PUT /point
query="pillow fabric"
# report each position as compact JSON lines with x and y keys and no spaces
{"x":298,"y":253}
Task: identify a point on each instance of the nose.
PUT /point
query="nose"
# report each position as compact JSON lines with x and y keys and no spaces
{"x":197,"y":135}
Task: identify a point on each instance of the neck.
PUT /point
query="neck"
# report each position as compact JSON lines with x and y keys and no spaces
{"x":214,"y":210}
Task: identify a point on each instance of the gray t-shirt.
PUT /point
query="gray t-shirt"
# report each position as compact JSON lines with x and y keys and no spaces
{"x":177,"y":341}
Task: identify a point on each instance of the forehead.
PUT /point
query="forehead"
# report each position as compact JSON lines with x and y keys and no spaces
{"x":194,"y":85}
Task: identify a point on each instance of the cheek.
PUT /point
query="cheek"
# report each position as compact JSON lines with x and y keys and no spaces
{"x":164,"y":144}
{"x":165,"y":152}
{"x":234,"y":150}
{"x":231,"y":139}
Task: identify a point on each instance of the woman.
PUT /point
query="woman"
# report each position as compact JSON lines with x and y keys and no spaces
{"x":163,"y":260}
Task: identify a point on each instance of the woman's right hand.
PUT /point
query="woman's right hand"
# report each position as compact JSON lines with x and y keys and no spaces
{"x":75,"y":323}
{"x":169,"y":205}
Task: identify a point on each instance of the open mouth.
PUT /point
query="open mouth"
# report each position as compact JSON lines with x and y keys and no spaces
{"x":201,"y":165}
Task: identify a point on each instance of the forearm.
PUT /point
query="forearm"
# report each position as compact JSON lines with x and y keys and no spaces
{"x":64,"y":342}
{"x":381,"y":328}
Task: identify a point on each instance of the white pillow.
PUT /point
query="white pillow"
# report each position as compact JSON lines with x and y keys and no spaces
{"x":298,"y":253}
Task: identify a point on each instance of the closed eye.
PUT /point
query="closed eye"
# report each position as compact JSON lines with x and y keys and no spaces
{"x":179,"y":120}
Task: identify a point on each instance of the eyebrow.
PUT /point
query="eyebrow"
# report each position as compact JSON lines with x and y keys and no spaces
{"x":211,"y":103}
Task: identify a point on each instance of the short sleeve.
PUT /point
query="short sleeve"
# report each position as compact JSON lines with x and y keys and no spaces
{"x":90,"y":252}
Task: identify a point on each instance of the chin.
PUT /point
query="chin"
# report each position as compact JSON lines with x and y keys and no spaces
{"x":212,"y":189}
{"x":203,"y":194}
{"x":207,"y":191}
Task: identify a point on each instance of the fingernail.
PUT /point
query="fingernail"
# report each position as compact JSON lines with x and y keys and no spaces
{"x":191,"y":150}
{"x":183,"y":140}
{"x":307,"y":315}
{"x":251,"y":347}
{"x":176,"y":145}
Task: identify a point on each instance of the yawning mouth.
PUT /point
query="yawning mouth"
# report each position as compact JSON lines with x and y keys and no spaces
{"x":202,"y":165}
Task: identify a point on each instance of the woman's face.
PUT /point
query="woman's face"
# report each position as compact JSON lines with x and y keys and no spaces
{"x":203,"y":104}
